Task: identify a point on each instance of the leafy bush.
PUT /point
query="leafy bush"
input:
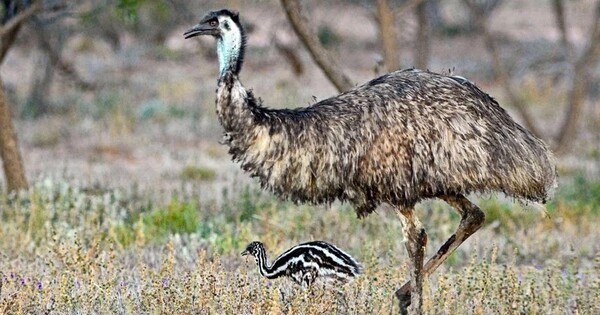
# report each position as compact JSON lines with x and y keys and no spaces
{"x":177,"y":218}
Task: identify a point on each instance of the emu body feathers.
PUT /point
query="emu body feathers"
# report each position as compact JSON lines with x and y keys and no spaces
{"x":399,"y":138}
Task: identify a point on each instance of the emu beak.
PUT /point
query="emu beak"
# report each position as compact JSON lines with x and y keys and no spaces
{"x":200,"y":29}
{"x":244,"y":253}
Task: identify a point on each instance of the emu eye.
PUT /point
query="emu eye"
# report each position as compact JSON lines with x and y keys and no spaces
{"x":212,"y":23}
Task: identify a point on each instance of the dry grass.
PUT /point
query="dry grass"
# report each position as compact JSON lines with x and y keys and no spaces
{"x":70,"y":250}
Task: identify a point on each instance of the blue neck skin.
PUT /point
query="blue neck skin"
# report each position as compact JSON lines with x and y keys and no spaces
{"x":228,"y":50}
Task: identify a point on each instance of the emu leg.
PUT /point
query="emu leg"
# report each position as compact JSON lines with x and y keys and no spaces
{"x":472,"y":219}
{"x":416,"y":239}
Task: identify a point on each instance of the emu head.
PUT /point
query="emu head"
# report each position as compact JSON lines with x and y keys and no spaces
{"x":254,"y":249}
{"x":215,"y":23}
{"x":225,"y":26}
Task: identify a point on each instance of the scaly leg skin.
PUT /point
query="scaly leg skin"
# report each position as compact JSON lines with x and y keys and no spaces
{"x":416,"y":240}
{"x":472,"y":220}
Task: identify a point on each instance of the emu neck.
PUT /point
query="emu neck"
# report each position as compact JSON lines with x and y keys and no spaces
{"x":230,"y":51}
{"x":263,"y":265}
{"x":233,"y":107}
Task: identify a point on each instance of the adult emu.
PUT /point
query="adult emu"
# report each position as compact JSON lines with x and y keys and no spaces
{"x":398,"y":139}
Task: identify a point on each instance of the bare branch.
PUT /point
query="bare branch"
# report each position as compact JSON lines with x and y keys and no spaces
{"x":501,"y":73}
{"x":289,"y":53}
{"x":58,"y":61}
{"x":579,"y":88}
{"x":316,"y":50}
{"x":13,"y":23}
{"x":561,"y":24}
{"x":385,"y":18}
{"x":8,"y":31}
{"x":7,"y":40}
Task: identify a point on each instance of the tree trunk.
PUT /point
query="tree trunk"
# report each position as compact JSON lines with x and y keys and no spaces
{"x":422,"y":41}
{"x":434,"y":15}
{"x":385,"y":17}
{"x":9,"y":149}
{"x":10,"y":156}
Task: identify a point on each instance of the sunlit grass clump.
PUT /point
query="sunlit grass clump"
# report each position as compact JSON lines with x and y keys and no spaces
{"x":192,"y":172}
{"x":67,"y":249}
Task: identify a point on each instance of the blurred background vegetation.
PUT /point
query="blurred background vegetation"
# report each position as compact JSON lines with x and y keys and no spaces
{"x":88,"y":81}
{"x":109,"y":143}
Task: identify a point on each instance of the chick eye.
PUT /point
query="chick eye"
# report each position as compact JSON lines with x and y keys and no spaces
{"x":212,"y":23}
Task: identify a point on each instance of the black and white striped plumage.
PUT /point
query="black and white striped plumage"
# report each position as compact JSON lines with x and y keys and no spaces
{"x":306,"y":262}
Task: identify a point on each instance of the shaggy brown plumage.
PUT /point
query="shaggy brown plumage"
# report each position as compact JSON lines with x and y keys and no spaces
{"x":398,"y":139}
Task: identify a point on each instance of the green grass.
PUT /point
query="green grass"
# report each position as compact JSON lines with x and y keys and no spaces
{"x":191,"y":172}
{"x":177,"y":218}
{"x":71,"y":250}
{"x":581,"y":195}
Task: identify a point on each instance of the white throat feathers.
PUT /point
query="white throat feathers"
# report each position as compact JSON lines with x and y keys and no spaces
{"x":229,"y":46}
